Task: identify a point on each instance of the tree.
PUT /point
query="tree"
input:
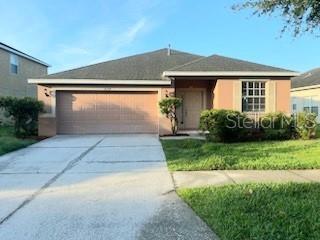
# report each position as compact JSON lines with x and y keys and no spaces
{"x":168,"y":107}
{"x":300,"y":15}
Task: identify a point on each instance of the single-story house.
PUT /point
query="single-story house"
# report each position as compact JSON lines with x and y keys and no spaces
{"x":121,"y":96}
{"x":305,"y":92}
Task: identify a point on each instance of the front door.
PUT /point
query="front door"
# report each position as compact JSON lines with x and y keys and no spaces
{"x":192,"y":106}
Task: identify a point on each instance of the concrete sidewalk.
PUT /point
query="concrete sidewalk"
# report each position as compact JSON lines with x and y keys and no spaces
{"x":184,"y":179}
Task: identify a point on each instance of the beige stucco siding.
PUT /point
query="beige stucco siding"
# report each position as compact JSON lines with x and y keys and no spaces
{"x":283,"y":96}
{"x":223,"y":94}
{"x":47,"y":126}
{"x":16,"y":84}
{"x":164,"y":123}
{"x":227,"y":95}
{"x":305,"y":94}
{"x":305,"y":98}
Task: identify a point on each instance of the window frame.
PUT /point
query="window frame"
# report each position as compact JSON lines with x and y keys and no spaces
{"x":261,"y":104}
{"x":14,"y":62}
{"x":294,"y":107}
{"x":309,"y":105}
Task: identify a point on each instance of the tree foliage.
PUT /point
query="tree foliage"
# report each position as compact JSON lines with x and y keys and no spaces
{"x":24,"y":112}
{"x":168,"y":107}
{"x":299,"y":15}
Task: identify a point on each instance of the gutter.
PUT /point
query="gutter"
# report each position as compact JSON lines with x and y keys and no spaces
{"x":305,"y":88}
{"x":21,"y":54}
{"x":228,"y":74}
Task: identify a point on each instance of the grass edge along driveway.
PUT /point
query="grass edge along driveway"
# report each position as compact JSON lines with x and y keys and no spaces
{"x":195,"y":154}
{"x":258,"y":211}
{"x":9,"y":143}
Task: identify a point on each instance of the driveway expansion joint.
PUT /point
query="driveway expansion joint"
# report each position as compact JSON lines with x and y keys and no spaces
{"x":70,"y":165}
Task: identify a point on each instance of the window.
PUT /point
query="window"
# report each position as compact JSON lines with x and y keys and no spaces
{"x":306,"y":109}
{"x":313,"y":109}
{"x":310,"y":106}
{"x":294,"y":107}
{"x":253,"y":96}
{"x":14,"y":64}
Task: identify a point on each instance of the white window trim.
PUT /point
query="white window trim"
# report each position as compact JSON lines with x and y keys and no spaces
{"x":14,"y":60}
{"x":254,"y":96}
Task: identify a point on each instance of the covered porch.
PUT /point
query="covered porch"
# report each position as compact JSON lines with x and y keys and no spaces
{"x":197,"y":95}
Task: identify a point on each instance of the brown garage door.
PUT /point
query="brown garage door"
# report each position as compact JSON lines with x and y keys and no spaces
{"x":106,"y":112}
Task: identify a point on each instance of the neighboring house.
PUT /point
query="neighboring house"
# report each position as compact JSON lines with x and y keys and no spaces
{"x":121,"y":96}
{"x":15,"y":69}
{"x":305,"y":92}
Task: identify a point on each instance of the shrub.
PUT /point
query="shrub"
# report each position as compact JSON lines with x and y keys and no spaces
{"x":233,"y":126}
{"x":276,"y":126}
{"x":168,"y":107}
{"x":306,"y":125}
{"x":24,"y":112}
{"x":226,"y":125}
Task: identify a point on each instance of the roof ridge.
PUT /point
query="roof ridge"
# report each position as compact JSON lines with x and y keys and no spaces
{"x":306,"y":74}
{"x":121,"y":58}
{"x":249,"y":61}
{"x":306,"y":79}
{"x":230,"y":59}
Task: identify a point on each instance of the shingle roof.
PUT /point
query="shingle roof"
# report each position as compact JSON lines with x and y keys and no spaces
{"x":151,"y":66}
{"x":306,"y":79}
{"x":146,"y":66}
{"x":219,"y":63}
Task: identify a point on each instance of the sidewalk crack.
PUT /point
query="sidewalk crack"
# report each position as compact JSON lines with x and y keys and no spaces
{"x":305,"y":178}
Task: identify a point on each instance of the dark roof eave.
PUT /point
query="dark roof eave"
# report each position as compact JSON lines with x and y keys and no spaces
{"x":99,"y":82}
{"x":22,"y":54}
{"x":230,"y":74}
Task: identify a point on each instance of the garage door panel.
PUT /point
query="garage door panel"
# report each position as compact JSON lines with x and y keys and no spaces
{"x":107,"y":112}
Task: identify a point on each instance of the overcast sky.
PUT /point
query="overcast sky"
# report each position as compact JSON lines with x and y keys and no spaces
{"x":68,"y":34}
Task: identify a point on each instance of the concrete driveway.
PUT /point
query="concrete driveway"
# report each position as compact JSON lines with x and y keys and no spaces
{"x":93,"y":187}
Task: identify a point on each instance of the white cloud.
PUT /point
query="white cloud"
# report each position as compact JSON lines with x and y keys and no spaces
{"x":123,"y":39}
{"x":97,"y":44}
{"x":73,"y":50}
{"x":131,"y":33}
{"x":68,"y":41}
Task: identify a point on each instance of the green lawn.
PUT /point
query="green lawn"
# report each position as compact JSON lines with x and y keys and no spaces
{"x":193,"y":154}
{"x":259,"y":211}
{"x":10,"y":143}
